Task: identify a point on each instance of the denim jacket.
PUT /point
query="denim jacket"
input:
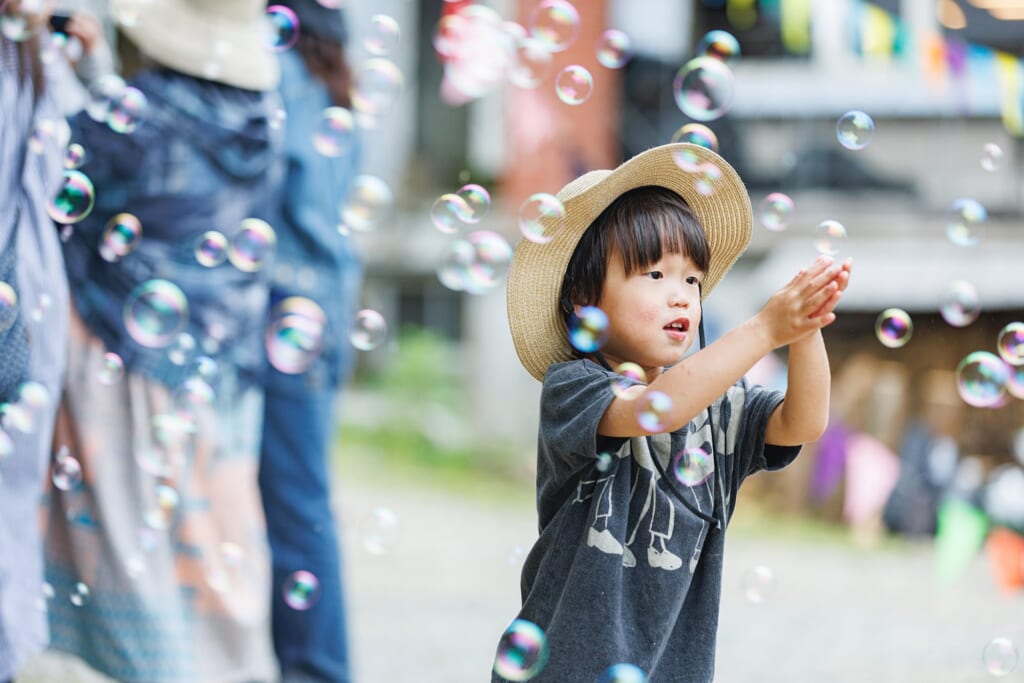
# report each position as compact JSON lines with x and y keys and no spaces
{"x":205,"y":156}
{"x":314,"y":259}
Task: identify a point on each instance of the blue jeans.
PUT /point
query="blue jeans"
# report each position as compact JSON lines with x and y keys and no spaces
{"x":311,"y":644}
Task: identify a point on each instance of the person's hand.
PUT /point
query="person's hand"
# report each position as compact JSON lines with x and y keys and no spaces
{"x":87,"y":29}
{"x":806,"y":303}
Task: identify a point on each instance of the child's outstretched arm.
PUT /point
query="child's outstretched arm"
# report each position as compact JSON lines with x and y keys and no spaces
{"x":795,"y":312}
{"x":803,"y":416}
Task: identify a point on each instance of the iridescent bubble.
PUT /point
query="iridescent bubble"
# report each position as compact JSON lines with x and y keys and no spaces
{"x":588,"y":330}
{"x":693,"y":466}
{"x":604,"y":462}
{"x":540,"y":217}
{"x":163,"y":509}
{"x":378,"y":85}
{"x":688,"y":158}
{"x":447,"y":212}
{"x":448,"y":37}
{"x":758,"y":583}
{"x":991,"y":157}
{"x":965,"y":222}
{"x":79,"y":594}
{"x":477,"y":201}
{"x":43,"y":134}
{"x":17,"y":417}
{"x":368,"y":203}
{"x":252,"y":245}
{"x":627,"y":375}
{"x":182,"y":350}
{"x":652,"y":411}
{"x":893,"y":327}
{"x":194,"y":394}
{"x":120,"y":236}
{"x":336,"y":132}
{"x":74,"y":198}
{"x":613,"y":49}
{"x":369,"y":330}
{"x":708,"y":175}
{"x":102,"y":94}
{"x":380,"y":531}
{"x":16,"y":27}
{"x":75,"y":156}
{"x":696,"y":134}
{"x":111,"y":369}
{"x":961,"y":305}
{"x":301,"y":590}
{"x":854,"y":129}
{"x":1011,"y":343}
{"x":703,"y":88}
{"x":295,"y":334}
{"x":1000,"y":656}
{"x":828,"y":235}
{"x":623,"y":673}
{"x":475,"y":264}
{"x":282,"y":28}
{"x":719,"y":44}
{"x":8,"y":306}
{"x":211,"y":249}
{"x":155,"y":312}
{"x":67,"y":471}
{"x":522,"y":651}
{"x":383,"y":35}
{"x":33,"y":395}
{"x":1015,"y":380}
{"x":574,"y":85}
{"x":981,"y":379}
{"x":775,"y":211}
{"x":531,"y":64}
{"x":127,"y":110}
{"x":555,"y":23}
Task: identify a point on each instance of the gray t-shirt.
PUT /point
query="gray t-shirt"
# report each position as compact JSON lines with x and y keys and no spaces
{"x":623,"y":571}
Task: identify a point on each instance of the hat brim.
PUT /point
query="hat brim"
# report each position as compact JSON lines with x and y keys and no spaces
{"x":177,"y":34}
{"x":713,"y":190}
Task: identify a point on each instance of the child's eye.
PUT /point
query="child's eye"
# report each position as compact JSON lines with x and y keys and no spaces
{"x":693,"y":280}
{"x":656,"y":274}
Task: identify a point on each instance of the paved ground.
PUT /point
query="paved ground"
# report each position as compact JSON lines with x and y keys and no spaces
{"x":433,"y":581}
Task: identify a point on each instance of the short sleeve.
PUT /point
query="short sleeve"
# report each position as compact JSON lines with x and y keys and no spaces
{"x":758,"y":405}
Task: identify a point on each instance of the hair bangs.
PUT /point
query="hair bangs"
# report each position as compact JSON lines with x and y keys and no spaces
{"x":653,"y":221}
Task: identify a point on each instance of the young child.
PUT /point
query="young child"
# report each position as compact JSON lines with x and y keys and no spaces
{"x":638,"y":472}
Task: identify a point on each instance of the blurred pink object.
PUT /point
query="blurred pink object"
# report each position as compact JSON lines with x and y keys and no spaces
{"x":871,"y":471}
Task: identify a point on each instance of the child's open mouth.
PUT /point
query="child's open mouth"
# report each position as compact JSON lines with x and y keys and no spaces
{"x":678,"y":328}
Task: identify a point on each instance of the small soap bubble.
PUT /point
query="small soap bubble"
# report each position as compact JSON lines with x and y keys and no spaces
{"x":693,"y":466}
{"x":961,"y":305}
{"x":383,"y":36}
{"x":211,"y":249}
{"x":991,"y":157}
{"x":8,"y":306}
{"x":758,"y":583}
{"x":1011,"y":343}
{"x":531,"y":64}
{"x":981,"y":379}
{"x":282,"y":28}
{"x":67,"y":471}
{"x":652,"y":411}
{"x":574,"y":85}
{"x":854,"y":129}
{"x":613,"y":49}
{"x":111,"y":369}
{"x":555,"y":23}
{"x":588,"y":331}
{"x":627,"y":375}
{"x":522,"y":651}
{"x":164,"y":507}
{"x":475,"y":264}
{"x":540,"y":217}
{"x":120,"y":236}
{"x":301,"y":590}
{"x":696,"y":134}
{"x":447,"y":212}
{"x":75,"y":156}
{"x":775,"y":211}
{"x":102,"y":94}
{"x":368,"y":204}
{"x":623,"y":673}
{"x":378,"y":86}
{"x":369,"y":330}
{"x":1015,"y":380}
{"x":251,"y":245}
{"x":965,"y":222}
{"x":704,"y":88}
{"x":127,"y":110}
{"x":74,"y":199}
{"x":893,"y":327}
{"x":708,"y":175}
{"x":828,"y":235}
{"x":79,"y":594}
{"x":155,"y":312}
{"x":719,"y":44}
{"x":182,"y":350}
{"x":604,"y":462}
{"x":336,"y":132}
{"x":1000,"y":657}
{"x":478,"y":201}
{"x":380,"y":531}
{"x":295,"y":334}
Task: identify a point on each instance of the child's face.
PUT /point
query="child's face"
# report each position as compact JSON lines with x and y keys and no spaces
{"x":653,"y":314}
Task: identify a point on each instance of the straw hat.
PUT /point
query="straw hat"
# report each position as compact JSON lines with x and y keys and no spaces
{"x":714,"y":192}
{"x":221,"y":40}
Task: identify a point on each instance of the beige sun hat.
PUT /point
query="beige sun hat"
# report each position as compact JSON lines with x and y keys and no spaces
{"x":713,"y":190}
{"x":221,"y":40}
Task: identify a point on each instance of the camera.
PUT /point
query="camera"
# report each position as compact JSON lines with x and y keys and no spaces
{"x":59,"y":22}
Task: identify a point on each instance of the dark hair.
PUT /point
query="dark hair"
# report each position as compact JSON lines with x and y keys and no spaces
{"x":325,"y":60}
{"x":643,"y":224}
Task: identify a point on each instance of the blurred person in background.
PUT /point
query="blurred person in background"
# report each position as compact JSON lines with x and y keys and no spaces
{"x":315,"y":288}
{"x":33,"y":320}
{"x":156,"y":549}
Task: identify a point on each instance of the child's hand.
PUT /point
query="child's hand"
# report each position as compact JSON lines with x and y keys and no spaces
{"x":87,"y":29}
{"x":806,"y":303}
